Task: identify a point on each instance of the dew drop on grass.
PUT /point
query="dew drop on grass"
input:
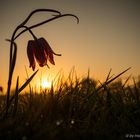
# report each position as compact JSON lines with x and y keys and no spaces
{"x":72,"y":121}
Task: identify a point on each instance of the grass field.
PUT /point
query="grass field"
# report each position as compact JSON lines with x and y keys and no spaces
{"x":79,"y":108}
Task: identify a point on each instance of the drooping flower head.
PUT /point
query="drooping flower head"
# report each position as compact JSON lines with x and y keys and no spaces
{"x":40,"y":50}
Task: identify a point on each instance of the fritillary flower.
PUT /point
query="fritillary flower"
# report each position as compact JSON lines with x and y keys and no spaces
{"x":40,"y":50}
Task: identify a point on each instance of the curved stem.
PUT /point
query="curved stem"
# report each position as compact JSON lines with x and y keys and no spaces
{"x":46,"y":21}
{"x":11,"y":69}
{"x":23,"y":23}
{"x":38,"y":10}
{"x":30,"y":31}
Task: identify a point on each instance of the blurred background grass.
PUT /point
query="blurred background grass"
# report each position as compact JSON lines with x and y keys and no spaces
{"x":75,"y":109}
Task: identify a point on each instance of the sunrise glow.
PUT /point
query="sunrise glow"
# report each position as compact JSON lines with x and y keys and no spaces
{"x":46,"y":84}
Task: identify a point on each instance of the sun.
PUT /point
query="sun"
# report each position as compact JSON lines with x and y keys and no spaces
{"x":46,"y":84}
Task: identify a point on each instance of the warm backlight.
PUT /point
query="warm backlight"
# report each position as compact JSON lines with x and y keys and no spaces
{"x":46,"y":84}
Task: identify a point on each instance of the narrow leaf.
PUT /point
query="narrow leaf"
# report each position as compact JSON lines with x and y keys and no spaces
{"x":126,"y":81}
{"x":106,"y":83}
{"x":24,"y":85}
{"x":27,"y":82}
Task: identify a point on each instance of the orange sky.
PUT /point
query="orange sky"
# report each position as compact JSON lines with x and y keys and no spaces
{"x":106,"y":37}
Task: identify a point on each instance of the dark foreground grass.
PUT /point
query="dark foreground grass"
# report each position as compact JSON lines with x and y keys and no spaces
{"x":76,"y":110}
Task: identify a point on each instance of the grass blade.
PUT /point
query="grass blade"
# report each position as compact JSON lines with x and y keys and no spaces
{"x":106,"y":83}
{"x":126,"y":81}
{"x":24,"y":85}
{"x":27,"y":82}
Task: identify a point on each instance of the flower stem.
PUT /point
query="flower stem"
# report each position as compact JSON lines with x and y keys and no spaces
{"x":30,"y":31}
{"x":46,"y":21}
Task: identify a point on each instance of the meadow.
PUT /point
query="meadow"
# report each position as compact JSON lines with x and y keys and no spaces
{"x":78,"y":108}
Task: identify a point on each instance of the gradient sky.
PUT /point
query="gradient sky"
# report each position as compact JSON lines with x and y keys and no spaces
{"x":108,"y":36}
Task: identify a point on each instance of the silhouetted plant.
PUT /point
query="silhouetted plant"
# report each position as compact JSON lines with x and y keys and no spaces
{"x":37,"y":48}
